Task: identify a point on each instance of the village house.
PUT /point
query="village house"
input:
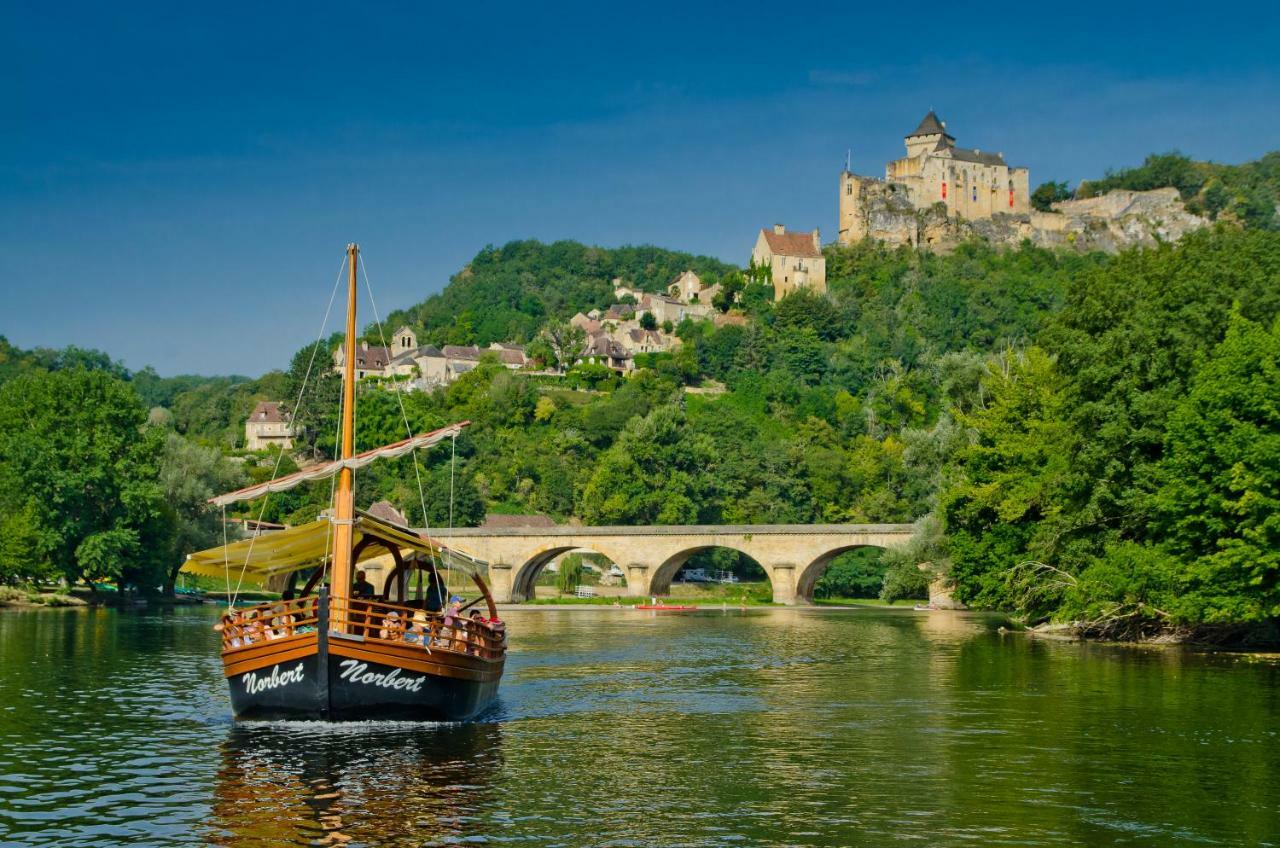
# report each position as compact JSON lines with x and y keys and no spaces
{"x":589,"y":326}
{"x":795,"y":260}
{"x":620,"y":291}
{"x":664,"y":308}
{"x":601,"y":349}
{"x":268,"y":426}
{"x":619,"y":312}
{"x":438,"y":367}
{"x":686,"y":287}
{"x":371,"y":360}
{"x":637,"y":340}
{"x":708,"y":294}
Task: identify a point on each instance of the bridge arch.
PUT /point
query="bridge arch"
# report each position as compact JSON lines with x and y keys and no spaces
{"x":808,"y":577}
{"x":660,"y":582}
{"x":525,"y":578}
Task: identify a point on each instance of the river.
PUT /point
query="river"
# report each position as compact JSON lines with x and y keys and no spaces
{"x":624,"y":728}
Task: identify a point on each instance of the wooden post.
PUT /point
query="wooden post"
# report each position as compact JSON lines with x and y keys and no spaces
{"x":343,"y":503}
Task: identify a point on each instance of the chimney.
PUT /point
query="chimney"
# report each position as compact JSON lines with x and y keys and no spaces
{"x":778,"y":229}
{"x":364,"y":345}
{"x":817,"y":239}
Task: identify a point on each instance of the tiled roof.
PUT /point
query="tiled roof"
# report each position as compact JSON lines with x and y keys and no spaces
{"x":602,"y":345}
{"x":462,"y":352}
{"x":387,"y":512}
{"x":791,"y":244}
{"x":929,"y":125}
{"x":963,"y":155}
{"x":269,"y":411}
{"x":372,"y":357}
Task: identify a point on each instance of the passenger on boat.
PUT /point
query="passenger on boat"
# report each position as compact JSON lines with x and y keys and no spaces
{"x":282,"y":620}
{"x":392,"y":627}
{"x":230,"y":632}
{"x":435,"y":594}
{"x":475,"y":633}
{"x":451,"y":626}
{"x":416,"y":633}
{"x":499,"y":629}
{"x":253,"y":629}
{"x":362,"y":588}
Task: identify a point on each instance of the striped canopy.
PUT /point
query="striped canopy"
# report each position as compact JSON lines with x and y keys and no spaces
{"x":308,"y":545}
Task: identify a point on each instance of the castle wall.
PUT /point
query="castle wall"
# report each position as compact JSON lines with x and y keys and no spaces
{"x":928,"y":175}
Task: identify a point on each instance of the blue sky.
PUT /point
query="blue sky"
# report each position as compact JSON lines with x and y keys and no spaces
{"x":177,"y":188}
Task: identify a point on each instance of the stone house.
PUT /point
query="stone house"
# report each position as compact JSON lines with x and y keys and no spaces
{"x":512,"y":356}
{"x":665,"y":308}
{"x":438,"y":367}
{"x":637,"y":340}
{"x":619,"y":312}
{"x":708,"y":295}
{"x":590,"y":326}
{"x":795,"y":260}
{"x":621,"y":290}
{"x":686,"y":287}
{"x":268,"y":426}
{"x":371,"y":360}
{"x":601,"y":349}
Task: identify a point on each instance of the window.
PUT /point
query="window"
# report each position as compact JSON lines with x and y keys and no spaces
{"x":848,"y":188}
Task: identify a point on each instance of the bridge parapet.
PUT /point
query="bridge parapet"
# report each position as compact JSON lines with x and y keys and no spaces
{"x":793,"y":555}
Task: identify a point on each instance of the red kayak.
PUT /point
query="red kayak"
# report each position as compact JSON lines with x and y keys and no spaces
{"x":666,"y":607}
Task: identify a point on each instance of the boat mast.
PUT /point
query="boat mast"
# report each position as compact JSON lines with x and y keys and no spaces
{"x":343,"y":503}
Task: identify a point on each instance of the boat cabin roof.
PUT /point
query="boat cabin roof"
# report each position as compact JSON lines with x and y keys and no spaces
{"x":308,"y":545}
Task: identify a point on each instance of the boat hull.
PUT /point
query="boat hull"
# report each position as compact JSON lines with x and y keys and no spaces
{"x":355,"y":681}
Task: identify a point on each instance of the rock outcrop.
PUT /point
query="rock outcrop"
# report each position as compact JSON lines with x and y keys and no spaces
{"x":1110,"y":222}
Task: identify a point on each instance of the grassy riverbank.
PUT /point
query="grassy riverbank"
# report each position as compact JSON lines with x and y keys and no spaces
{"x":13,"y":596}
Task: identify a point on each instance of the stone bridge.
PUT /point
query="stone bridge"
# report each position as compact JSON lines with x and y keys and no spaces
{"x":793,"y":555}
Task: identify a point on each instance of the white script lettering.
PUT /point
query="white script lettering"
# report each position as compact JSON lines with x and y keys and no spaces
{"x":253,"y":684}
{"x":354,"y":670}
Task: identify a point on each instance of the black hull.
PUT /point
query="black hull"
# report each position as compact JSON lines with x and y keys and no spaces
{"x":356,"y":690}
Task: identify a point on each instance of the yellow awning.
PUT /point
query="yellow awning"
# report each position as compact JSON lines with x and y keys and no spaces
{"x":306,"y":546}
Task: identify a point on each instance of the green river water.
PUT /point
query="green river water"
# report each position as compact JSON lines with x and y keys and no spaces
{"x":625,"y":728}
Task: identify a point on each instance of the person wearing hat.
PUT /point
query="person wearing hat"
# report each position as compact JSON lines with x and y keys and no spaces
{"x":417,"y":634}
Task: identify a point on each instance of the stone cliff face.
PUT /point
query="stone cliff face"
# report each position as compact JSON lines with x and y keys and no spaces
{"x":1110,"y":223}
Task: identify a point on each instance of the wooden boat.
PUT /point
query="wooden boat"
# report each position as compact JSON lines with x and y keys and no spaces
{"x":334,"y":652}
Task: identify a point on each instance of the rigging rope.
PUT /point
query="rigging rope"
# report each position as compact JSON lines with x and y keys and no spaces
{"x":422,"y":501}
{"x":297,"y":416}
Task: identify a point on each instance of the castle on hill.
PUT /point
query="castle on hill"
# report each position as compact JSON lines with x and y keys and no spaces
{"x":969,"y":183}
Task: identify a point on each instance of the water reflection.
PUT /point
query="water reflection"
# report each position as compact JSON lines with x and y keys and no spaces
{"x":798,"y":727}
{"x":308,"y":783}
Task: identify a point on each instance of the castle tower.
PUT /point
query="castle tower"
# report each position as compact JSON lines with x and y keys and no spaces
{"x":969,"y":184}
{"x":926,"y":136}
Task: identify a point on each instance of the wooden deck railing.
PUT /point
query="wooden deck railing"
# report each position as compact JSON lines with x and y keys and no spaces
{"x":268,"y":622}
{"x":374,"y":621}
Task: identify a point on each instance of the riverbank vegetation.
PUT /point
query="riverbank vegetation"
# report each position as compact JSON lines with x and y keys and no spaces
{"x":1080,"y":437}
